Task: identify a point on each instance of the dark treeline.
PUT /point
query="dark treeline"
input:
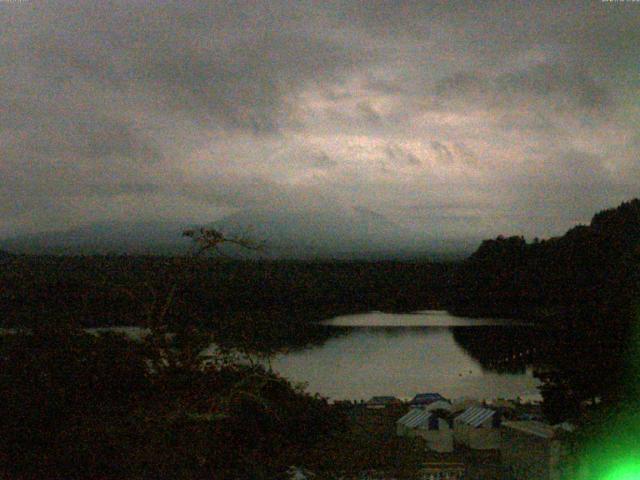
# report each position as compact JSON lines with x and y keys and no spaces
{"x":273,"y":302}
{"x":583,"y":285}
{"x":588,"y":268}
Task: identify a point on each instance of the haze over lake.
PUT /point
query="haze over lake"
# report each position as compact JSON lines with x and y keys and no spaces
{"x":401,"y":355}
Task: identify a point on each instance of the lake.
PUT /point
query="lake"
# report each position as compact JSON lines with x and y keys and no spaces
{"x":379,"y":353}
{"x":403,"y":354}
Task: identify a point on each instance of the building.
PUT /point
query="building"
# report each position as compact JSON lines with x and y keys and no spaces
{"x":407,"y":424}
{"x":477,"y":428}
{"x":434,"y":430}
{"x":443,"y":470}
{"x":424,"y":399}
{"x":382,"y":402}
{"x":297,"y":473}
{"x":532,"y":450}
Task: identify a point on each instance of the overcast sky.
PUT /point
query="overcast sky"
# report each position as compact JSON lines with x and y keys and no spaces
{"x":460,"y":118}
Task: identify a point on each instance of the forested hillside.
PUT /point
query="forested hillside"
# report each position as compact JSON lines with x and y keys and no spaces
{"x":589,"y":267}
{"x":584,"y":285}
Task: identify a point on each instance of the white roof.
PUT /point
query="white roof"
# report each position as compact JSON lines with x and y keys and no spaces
{"x":566,"y":426}
{"x":415,"y":418}
{"x":531,"y":427}
{"x":475,"y":416}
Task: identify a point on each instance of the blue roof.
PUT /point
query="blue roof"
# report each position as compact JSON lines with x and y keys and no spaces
{"x":426,"y":398}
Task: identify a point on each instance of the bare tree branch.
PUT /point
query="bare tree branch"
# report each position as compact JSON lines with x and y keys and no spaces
{"x":208,"y":239}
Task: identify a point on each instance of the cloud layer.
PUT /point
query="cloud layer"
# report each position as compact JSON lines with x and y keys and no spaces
{"x":457,"y":118}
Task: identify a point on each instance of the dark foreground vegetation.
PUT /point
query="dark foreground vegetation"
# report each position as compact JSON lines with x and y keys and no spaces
{"x":75,"y":405}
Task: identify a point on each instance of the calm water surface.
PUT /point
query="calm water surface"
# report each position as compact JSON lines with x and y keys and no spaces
{"x":401,"y":355}
{"x":396,"y":354}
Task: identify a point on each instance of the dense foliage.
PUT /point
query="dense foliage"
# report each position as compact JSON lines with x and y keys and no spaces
{"x":118,"y":290}
{"x":260,"y":305}
{"x":76,"y":405}
{"x":585,"y":285}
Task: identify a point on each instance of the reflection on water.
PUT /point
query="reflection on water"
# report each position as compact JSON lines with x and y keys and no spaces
{"x":135,"y":333}
{"x":412,"y":353}
{"x":505,"y":349}
{"x":426,"y":318}
{"x":376,"y":353}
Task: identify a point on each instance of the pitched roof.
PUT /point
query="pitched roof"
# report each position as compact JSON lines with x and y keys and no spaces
{"x":537,"y":429}
{"x":415,"y":418}
{"x":475,"y":416}
{"x":439,"y":405}
{"x":426,"y":398}
{"x":540,"y":429}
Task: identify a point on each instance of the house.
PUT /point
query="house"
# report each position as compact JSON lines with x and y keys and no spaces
{"x":406,"y":425}
{"x":382,"y":402}
{"x":424,"y":399}
{"x":443,"y":470}
{"x":477,"y":428}
{"x":434,"y":430}
{"x":533,"y":450}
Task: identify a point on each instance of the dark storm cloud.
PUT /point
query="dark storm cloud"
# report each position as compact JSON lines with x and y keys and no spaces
{"x":369,"y":113}
{"x":558,"y":79}
{"x":78,"y":79}
{"x":200,"y":104}
{"x":90,"y":139}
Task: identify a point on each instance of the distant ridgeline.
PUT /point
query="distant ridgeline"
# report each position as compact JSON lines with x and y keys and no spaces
{"x":584,"y":285}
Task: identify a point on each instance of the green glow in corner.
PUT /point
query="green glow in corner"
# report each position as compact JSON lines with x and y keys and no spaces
{"x":615,"y":456}
{"x":614,"y":452}
{"x":629,"y":470}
